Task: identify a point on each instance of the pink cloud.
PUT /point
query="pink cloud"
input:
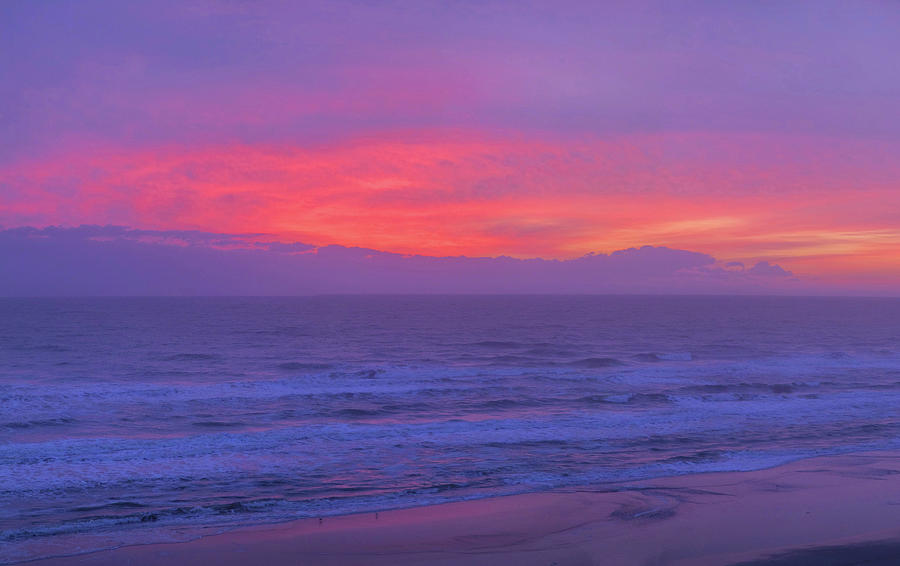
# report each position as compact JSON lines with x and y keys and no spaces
{"x":738,"y":197}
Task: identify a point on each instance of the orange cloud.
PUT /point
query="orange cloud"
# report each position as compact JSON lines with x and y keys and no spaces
{"x":814,"y":206}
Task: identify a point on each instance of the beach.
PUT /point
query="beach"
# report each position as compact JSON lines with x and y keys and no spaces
{"x":830,"y":510}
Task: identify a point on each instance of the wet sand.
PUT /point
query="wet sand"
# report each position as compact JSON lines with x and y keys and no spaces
{"x":837,"y":510}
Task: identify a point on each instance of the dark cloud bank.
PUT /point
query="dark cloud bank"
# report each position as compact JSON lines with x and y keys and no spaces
{"x":113,"y":260}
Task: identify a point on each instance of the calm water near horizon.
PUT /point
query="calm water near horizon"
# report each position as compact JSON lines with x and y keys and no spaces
{"x":130,"y":420}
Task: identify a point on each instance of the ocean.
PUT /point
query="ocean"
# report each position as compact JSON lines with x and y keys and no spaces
{"x":136,"y":420}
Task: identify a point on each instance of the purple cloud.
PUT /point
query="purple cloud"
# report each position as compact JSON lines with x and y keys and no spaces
{"x":766,"y":269}
{"x":114,"y":260}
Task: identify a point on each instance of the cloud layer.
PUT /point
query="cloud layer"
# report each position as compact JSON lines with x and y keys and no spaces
{"x":110,"y":260}
{"x":831,"y":203}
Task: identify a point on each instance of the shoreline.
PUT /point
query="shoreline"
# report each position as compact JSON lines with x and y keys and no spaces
{"x":844,"y":507}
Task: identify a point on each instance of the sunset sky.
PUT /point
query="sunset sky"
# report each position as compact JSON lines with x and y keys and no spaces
{"x":755,"y":131}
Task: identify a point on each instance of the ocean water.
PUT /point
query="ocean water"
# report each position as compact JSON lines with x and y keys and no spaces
{"x":133,"y":420}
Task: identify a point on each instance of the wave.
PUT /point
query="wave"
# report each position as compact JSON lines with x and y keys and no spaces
{"x":665,"y":357}
{"x":60,"y":421}
{"x":304,"y":366}
{"x":742,"y":387}
{"x":631,"y":399}
{"x":355,"y":412}
{"x":113,"y":505}
{"x":596,"y":363}
{"x":190,"y":357}
{"x":496,"y":344}
{"x":506,"y":403}
{"x":218,"y":424}
{"x":700,"y":456}
{"x":92,"y":523}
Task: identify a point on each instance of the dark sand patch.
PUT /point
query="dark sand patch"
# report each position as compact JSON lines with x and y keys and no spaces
{"x":884,"y":553}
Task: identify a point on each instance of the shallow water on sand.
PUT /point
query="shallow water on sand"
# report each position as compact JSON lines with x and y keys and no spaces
{"x":137,"y":420}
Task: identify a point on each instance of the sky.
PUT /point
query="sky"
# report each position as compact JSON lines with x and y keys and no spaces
{"x":746,"y":132}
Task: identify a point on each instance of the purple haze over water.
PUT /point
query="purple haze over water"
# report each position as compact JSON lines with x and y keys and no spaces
{"x":134,"y":420}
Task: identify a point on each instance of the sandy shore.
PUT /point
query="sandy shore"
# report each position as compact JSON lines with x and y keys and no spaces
{"x":822,"y":511}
